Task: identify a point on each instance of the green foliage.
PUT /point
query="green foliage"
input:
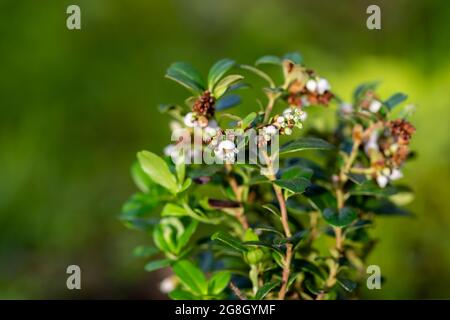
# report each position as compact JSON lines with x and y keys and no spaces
{"x":258,"y":221}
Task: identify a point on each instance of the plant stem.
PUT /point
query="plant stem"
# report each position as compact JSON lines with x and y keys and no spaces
{"x":237,"y":292}
{"x":269,"y":108}
{"x":287,"y":231}
{"x":238,"y":193}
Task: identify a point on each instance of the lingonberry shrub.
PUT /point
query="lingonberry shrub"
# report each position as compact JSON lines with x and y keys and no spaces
{"x":236,"y":214}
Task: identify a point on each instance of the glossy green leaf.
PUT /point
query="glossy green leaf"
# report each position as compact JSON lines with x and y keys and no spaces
{"x":191,"y":276}
{"x":370,"y":188}
{"x":269,"y":60}
{"x":173,"y":210}
{"x":218,"y":70}
{"x":305,"y":144}
{"x":187,"y":76}
{"x":340,"y":218}
{"x":223,"y":84}
{"x":247,"y":121}
{"x":219,"y":281}
{"x":295,"y":185}
{"x":266,"y":289}
{"x":179,"y":294}
{"x":187,"y":234}
{"x":157,"y":264}
{"x":295,"y":57}
{"x":158,"y":170}
{"x":273,"y":209}
{"x":227,"y":102}
{"x":140,"y":178}
{"x":395,"y":99}
{"x":229,"y":241}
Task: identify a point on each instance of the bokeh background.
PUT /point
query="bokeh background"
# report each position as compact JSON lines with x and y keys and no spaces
{"x":75,"y":106}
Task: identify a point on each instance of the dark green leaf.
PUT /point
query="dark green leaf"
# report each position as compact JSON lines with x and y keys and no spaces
{"x":296,"y":172}
{"x":191,"y":276}
{"x":226,"y":239}
{"x":157,"y":264}
{"x":343,"y":218}
{"x":139,"y":205}
{"x":228,"y":102}
{"x":265,"y":289}
{"x":370,"y":188}
{"x":308,"y":266}
{"x":218,"y":70}
{"x":295,"y":57}
{"x":395,"y":100}
{"x":273,"y":209}
{"x":305,"y":144}
{"x":269,"y":60}
{"x":187,"y":76}
{"x":296,"y":185}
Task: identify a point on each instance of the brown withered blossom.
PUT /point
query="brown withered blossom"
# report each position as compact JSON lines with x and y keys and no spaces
{"x":402,"y":130}
{"x":204,"y":106}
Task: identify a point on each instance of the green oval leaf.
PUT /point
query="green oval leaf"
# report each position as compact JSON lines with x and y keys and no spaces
{"x":295,"y":185}
{"x":295,"y":57}
{"x":158,"y":170}
{"x":343,"y":218}
{"x":395,"y":100}
{"x":219,"y":281}
{"x":223,"y":84}
{"x":186,"y":75}
{"x":265,"y":289}
{"x":179,"y":294}
{"x":228,"y":102}
{"x":191,"y":276}
{"x":305,"y":144}
{"x":218,"y":70}
{"x":229,"y":241}
{"x":269,"y":60}
{"x":157,"y":264}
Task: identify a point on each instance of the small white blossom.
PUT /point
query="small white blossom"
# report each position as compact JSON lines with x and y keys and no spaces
{"x":226,"y":150}
{"x":396,"y":174}
{"x":281,"y":119}
{"x":287,"y":131}
{"x":375,"y":106}
{"x":382,"y":180}
{"x":323,"y":85}
{"x":311,"y":85}
{"x":168,"y":150}
{"x":268,"y":132}
{"x":190,"y":120}
{"x":167,"y":285}
{"x":302,"y":115}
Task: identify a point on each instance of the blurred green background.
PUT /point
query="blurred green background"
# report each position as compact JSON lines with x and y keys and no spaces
{"x":77,"y":105}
